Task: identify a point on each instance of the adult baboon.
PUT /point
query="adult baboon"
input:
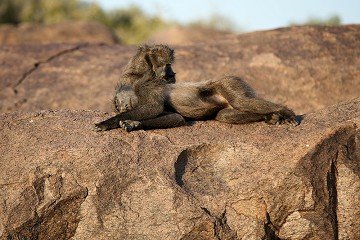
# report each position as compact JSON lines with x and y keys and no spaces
{"x":140,"y":93}
{"x":148,"y":62}
{"x":227,"y":99}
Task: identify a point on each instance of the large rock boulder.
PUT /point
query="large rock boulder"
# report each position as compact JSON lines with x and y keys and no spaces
{"x":66,"y":32}
{"x":306,"y":68}
{"x":60,"y":180}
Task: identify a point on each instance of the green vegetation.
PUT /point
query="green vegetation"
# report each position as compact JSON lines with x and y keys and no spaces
{"x":331,"y":21}
{"x":217,"y":22}
{"x":48,"y":11}
{"x":132,"y":25}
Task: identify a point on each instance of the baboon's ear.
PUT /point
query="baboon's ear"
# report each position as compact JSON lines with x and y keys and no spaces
{"x":148,"y":58}
{"x":143,"y":48}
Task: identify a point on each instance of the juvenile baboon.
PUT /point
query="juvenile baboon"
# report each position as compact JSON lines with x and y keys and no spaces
{"x":227,"y":99}
{"x":156,"y":60}
{"x":140,"y":93}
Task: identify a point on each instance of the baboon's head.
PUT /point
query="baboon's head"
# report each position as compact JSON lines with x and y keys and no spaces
{"x":125,"y":99}
{"x":161,"y":58}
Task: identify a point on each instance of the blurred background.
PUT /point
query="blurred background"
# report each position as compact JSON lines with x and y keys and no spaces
{"x":136,"y":21}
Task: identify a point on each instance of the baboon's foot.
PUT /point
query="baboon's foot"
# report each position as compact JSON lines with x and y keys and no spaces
{"x":285,"y":116}
{"x":130,"y":125}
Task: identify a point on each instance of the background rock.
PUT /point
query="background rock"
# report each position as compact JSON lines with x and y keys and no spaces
{"x":59,"y":179}
{"x":67,"y":32}
{"x":306,"y":68}
{"x":186,"y":35}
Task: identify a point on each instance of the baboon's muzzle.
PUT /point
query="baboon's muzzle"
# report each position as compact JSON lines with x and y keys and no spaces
{"x":169,"y":74}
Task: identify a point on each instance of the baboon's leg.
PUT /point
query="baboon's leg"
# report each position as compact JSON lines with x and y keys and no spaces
{"x":273,"y":113}
{"x":141,"y":112}
{"x":165,"y":120}
{"x":255,"y":105}
{"x":240,"y":96}
{"x":230,"y":115}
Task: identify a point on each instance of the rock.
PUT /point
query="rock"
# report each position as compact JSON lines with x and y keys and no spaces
{"x":66,"y":32}
{"x":306,"y":68}
{"x":58,"y":76}
{"x":59,"y":179}
{"x":208,"y":180}
{"x":187,"y":35}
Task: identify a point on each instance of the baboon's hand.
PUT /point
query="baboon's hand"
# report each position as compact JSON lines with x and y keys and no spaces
{"x":108,"y":124}
{"x":284,"y":116}
{"x":100,"y":127}
{"x":130,"y":125}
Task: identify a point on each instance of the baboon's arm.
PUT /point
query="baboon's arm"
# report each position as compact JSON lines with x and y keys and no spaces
{"x":165,"y":120}
{"x":143,"y":112}
{"x":234,"y":116}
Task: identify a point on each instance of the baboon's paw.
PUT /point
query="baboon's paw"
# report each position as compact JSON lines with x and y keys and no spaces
{"x":126,"y":126}
{"x":273,"y":119}
{"x":284,"y":116}
{"x":291,"y":122}
{"x":129,"y":125}
{"x":288,"y":117}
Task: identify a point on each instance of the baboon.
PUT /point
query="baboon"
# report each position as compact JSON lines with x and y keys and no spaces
{"x":148,"y":62}
{"x":228,"y":99}
{"x":156,"y":60}
{"x":140,"y":93}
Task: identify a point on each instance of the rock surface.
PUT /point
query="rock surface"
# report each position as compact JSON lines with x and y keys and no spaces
{"x":67,"y":32}
{"x":187,"y":35}
{"x":60,"y":180}
{"x":306,"y":68}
